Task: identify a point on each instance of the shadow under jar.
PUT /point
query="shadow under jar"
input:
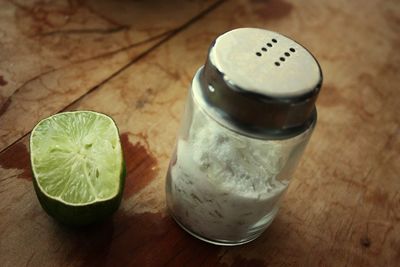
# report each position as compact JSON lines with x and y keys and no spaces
{"x":249,"y":115}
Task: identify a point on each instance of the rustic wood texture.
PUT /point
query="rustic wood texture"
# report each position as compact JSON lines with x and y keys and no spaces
{"x":135,"y":61}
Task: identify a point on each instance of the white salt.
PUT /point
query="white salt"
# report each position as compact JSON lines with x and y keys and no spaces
{"x":225,"y":187}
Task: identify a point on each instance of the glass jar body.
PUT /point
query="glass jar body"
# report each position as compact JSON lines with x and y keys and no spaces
{"x":222,"y":186}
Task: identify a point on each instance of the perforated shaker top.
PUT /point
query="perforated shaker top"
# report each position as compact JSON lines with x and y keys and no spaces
{"x":261,"y":82}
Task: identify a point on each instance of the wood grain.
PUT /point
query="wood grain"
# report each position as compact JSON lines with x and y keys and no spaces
{"x":343,"y":205}
{"x":54,"y":53}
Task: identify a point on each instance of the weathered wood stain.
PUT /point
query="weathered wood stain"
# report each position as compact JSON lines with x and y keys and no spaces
{"x":134,"y":61}
{"x":141,"y":166}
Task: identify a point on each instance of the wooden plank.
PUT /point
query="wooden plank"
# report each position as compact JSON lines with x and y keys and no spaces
{"x":53,"y":53}
{"x":341,"y":209}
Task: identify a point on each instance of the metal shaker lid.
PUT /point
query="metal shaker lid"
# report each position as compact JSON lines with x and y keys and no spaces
{"x":261,"y":82}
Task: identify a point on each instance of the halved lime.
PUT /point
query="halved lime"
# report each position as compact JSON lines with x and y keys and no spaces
{"x":78,"y":166}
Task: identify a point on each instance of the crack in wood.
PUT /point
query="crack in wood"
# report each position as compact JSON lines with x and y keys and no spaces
{"x":169,"y":35}
{"x":86,"y":31}
{"x":28,"y":263}
{"x":4,"y":107}
{"x":105,"y":18}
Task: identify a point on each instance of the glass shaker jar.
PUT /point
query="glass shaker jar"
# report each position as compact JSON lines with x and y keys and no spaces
{"x":249,"y":115}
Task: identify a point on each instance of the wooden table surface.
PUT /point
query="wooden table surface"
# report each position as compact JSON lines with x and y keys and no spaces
{"x":134,"y":60}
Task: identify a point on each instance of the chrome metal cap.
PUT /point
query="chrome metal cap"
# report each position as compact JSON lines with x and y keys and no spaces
{"x":262,"y":82}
